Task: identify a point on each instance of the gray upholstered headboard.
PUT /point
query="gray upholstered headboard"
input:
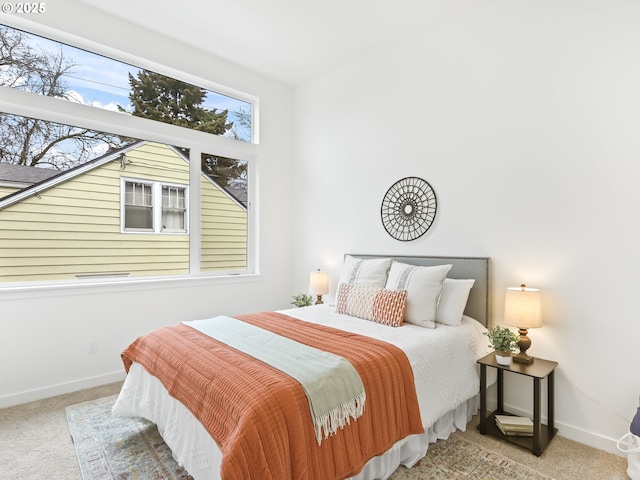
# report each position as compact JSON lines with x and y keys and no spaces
{"x":463,"y":267}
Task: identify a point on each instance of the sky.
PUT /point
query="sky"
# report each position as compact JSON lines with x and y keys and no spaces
{"x":104,"y":83}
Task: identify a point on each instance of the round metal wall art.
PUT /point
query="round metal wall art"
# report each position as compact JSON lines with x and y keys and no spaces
{"x":408,"y":209}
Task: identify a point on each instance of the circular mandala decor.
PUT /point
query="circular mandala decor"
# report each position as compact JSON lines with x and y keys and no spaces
{"x":408,"y":209}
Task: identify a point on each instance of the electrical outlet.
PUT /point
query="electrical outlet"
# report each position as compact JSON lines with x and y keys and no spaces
{"x":93,"y":347}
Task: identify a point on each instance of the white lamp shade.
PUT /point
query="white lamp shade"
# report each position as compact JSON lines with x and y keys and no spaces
{"x":522,"y":307}
{"x":319,"y":283}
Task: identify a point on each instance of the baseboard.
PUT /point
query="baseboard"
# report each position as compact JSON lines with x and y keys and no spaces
{"x":60,"y":389}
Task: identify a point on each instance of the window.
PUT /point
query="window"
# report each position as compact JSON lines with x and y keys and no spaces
{"x":123,"y":214}
{"x":138,"y":206}
{"x":153,"y":207}
{"x":47,"y":67}
{"x":92,"y":200}
{"x":173,"y":209}
{"x":224,"y":220}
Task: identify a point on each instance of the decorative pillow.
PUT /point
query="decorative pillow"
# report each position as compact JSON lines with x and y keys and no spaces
{"x":453,"y":300}
{"x":423,"y":286}
{"x":372,"y":303}
{"x":371,"y":271}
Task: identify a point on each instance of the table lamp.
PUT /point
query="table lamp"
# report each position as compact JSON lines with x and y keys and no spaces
{"x":522,"y":309}
{"x":319,"y":284}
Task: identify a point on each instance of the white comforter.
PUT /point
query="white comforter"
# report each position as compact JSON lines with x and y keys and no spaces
{"x":444,"y":365}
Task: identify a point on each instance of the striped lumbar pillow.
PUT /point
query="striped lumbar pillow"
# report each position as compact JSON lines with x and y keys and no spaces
{"x":372,"y":303}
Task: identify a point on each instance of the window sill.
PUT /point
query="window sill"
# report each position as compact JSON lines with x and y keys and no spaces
{"x":87,"y":286}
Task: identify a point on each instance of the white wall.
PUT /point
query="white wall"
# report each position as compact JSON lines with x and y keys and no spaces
{"x":523,"y":116}
{"x":46,"y":333}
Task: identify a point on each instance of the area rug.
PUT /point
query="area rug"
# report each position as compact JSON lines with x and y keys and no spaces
{"x":115,"y":448}
{"x":458,"y":459}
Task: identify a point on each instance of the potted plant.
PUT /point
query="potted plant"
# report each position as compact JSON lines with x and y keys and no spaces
{"x":503,"y":341}
{"x":301,"y":300}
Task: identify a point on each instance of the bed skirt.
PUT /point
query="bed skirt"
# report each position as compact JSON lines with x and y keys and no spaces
{"x":143,"y":395}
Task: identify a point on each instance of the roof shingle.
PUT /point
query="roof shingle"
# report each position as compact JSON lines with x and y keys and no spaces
{"x":24,"y":174}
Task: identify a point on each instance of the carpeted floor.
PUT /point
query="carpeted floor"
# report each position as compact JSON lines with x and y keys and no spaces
{"x":35,"y":444}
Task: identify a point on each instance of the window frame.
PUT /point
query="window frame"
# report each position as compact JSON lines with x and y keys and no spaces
{"x":157,"y":208}
{"x":19,"y":102}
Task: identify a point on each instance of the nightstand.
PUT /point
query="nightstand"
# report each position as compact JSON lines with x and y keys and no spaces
{"x":538,"y":370}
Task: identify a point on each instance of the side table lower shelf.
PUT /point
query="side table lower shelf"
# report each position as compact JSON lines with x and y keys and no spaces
{"x":546,"y":434}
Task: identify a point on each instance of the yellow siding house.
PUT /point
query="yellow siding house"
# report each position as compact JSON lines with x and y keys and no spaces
{"x":122,"y":214}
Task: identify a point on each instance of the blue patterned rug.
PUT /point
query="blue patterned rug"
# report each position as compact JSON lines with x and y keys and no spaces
{"x":115,"y":448}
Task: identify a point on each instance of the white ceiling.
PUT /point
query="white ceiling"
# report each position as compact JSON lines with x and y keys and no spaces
{"x":290,"y":40}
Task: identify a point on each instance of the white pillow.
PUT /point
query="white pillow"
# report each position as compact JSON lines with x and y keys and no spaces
{"x":370,"y":271}
{"x":453,"y":300}
{"x":423,"y":286}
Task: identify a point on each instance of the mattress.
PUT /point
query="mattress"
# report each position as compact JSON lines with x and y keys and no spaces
{"x":445,"y":371}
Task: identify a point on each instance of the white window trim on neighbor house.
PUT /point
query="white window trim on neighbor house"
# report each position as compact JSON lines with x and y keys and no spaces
{"x":156,"y":206}
{"x":18,"y":102}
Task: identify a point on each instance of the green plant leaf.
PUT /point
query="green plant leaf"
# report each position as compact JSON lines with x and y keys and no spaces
{"x":502,"y":339}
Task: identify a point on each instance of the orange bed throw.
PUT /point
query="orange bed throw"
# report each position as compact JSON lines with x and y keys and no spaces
{"x":260,"y":417}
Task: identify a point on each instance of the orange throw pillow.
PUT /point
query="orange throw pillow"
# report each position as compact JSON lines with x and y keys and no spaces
{"x":372,"y":303}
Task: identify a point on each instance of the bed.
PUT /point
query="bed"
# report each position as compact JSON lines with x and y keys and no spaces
{"x":442,"y":373}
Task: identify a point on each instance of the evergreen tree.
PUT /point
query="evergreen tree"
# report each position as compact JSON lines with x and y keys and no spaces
{"x":168,"y":100}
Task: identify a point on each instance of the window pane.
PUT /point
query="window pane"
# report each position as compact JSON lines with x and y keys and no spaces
{"x":138,"y":194}
{"x":138,"y":217}
{"x":224,"y":214}
{"x":173,"y":208}
{"x":47,"y":67}
{"x":138,"y":208}
{"x":69,"y":211}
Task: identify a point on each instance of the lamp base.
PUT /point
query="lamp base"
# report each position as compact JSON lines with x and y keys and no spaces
{"x":522,"y":358}
{"x":524,"y":343}
{"x":319,"y":300}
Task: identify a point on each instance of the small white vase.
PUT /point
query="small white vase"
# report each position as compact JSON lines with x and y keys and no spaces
{"x":503,"y":358}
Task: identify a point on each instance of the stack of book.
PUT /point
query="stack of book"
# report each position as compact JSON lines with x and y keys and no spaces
{"x":512,"y":425}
